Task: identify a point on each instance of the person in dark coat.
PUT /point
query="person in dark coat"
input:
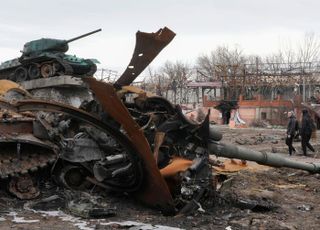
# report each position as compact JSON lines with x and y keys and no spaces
{"x":307,"y":126}
{"x":291,"y":131}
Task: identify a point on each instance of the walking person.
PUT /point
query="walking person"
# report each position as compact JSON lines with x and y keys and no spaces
{"x":291,"y":131}
{"x":307,"y":126}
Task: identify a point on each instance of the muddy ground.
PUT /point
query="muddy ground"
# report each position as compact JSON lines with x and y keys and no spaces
{"x":266,"y":198}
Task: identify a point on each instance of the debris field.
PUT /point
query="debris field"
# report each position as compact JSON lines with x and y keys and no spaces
{"x":78,"y":153}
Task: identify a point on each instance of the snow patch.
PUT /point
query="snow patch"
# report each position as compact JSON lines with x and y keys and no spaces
{"x":81,"y":224}
{"x":141,"y":226}
{"x":20,"y":220}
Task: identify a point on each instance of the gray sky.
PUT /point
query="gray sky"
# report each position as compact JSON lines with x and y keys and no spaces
{"x":257,"y":27}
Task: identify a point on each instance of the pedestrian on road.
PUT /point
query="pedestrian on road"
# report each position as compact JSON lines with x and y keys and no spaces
{"x":307,"y":126}
{"x":291,"y":131}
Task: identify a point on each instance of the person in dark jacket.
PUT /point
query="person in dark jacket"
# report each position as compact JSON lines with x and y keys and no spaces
{"x":291,"y":131}
{"x":307,"y":126}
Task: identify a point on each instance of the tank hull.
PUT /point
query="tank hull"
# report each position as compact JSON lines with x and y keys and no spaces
{"x":46,"y":65}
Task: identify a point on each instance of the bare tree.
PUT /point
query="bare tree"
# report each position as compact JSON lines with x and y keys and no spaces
{"x":239,"y":73}
{"x":178,"y":75}
{"x":156,"y":82}
{"x":222,"y":61}
{"x":309,"y":48}
{"x":207,"y":64}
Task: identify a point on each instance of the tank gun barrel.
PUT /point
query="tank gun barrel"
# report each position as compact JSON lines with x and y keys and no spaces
{"x":83,"y":35}
{"x":232,"y":151}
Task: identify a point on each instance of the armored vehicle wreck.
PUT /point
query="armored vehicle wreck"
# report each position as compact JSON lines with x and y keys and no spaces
{"x":46,"y":57}
{"x":120,"y":138}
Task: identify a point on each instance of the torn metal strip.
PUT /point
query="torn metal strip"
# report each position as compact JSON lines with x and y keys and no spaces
{"x":154,"y":190}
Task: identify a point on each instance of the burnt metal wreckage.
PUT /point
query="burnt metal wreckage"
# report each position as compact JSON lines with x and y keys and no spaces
{"x":124,"y":140}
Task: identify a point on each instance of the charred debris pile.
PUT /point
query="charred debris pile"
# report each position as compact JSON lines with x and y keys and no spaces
{"x":114,"y":137}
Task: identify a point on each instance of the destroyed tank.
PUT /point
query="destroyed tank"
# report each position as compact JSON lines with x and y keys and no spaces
{"x":124,"y":139}
{"x":45,"y":58}
{"x":34,"y":134}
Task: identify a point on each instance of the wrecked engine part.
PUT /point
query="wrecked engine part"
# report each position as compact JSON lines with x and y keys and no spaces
{"x":80,"y":148}
{"x":153,"y":182}
{"x":70,"y":176}
{"x":129,"y":181}
{"x":177,"y":133}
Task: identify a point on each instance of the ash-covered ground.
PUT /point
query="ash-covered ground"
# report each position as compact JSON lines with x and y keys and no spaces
{"x":264,"y":198}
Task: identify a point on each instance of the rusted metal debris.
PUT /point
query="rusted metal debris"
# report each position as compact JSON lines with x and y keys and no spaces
{"x":124,"y":140}
{"x":6,"y":85}
{"x":143,"y":146}
{"x":21,"y":151}
{"x":148,"y":46}
{"x":134,"y":158}
{"x":154,"y":190}
{"x":23,"y":187}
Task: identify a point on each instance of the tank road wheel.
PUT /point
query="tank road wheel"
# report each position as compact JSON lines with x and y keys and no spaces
{"x":47,"y":70}
{"x":23,"y":187}
{"x":70,"y":176}
{"x":21,"y":74}
{"x":34,"y":71}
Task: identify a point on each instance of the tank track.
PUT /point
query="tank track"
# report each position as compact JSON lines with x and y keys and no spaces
{"x":11,"y":165}
{"x":10,"y":74}
{"x":68,"y":70}
{"x":114,"y":184}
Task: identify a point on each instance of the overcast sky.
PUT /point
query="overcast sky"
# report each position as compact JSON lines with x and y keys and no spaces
{"x":257,"y":27}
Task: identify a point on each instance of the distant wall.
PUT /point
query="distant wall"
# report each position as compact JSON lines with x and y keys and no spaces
{"x":272,"y":111}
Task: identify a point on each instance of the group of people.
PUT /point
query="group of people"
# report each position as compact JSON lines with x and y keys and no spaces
{"x":305,"y":131}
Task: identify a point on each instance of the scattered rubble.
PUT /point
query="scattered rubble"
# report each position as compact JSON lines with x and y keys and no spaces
{"x":84,"y":164}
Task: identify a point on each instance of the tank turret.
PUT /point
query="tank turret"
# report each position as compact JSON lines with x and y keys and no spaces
{"x":45,"y":58}
{"x":36,"y":47}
